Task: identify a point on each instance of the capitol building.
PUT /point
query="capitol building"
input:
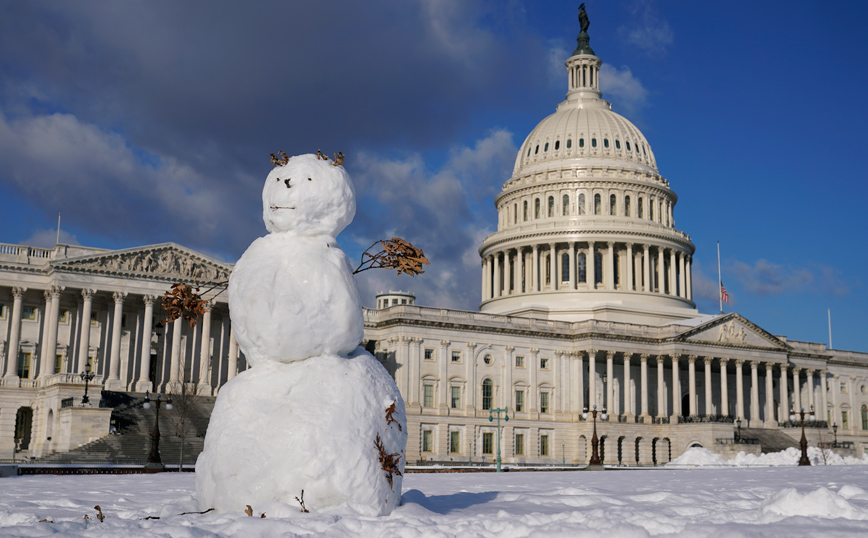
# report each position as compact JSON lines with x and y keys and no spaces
{"x":586,"y":301}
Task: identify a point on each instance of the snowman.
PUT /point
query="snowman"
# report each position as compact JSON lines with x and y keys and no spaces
{"x":316,"y":417}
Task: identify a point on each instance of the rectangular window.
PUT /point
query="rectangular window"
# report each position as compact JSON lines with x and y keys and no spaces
{"x":94,"y":320}
{"x":519,"y":361}
{"x":456,"y":356}
{"x":454,"y":442}
{"x":2,"y":311}
{"x":427,"y":441}
{"x":24,"y":364}
{"x":519,"y":401}
{"x":58,"y":363}
{"x":456,"y":397}
{"x":429,"y":354}
{"x":28,"y":312}
{"x":543,"y":402}
{"x":488,"y":443}
{"x":519,"y":444}
{"x":845,"y":423}
{"x":543,"y":445}
{"x":544,"y":364}
{"x":844,"y":387}
{"x":428,"y":396}
{"x":63,"y":316}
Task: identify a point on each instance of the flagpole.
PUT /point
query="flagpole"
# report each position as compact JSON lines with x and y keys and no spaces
{"x":58,"y":230}
{"x":719,"y":281}
{"x":829,"y":311}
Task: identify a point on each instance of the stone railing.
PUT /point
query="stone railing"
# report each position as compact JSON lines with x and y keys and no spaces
{"x":586,"y":224}
{"x":23,"y":253}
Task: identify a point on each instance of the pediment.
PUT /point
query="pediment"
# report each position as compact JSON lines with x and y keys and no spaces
{"x":167,"y":260}
{"x":732,"y":329}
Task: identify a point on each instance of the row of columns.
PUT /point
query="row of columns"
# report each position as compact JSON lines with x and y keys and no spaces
{"x":497,"y":282}
{"x":112,"y":380}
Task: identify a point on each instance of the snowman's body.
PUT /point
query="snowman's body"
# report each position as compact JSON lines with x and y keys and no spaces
{"x":313,"y":413}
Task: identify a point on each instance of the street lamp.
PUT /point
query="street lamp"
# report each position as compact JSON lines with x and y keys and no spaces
{"x":804,"y":442}
{"x":738,"y":433}
{"x":595,"y":455}
{"x":158,"y":330}
{"x":154,"y":460}
{"x":505,"y":411}
{"x":87,"y":378}
{"x":835,"y":431}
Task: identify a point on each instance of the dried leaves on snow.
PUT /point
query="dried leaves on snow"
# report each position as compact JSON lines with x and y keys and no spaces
{"x":396,"y":254}
{"x":388,"y":462}
{"x":390,"y":418}
{"x":183,"y":300}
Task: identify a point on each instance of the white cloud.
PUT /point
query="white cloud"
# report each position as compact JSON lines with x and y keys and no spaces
{"x":556,"y":70}
{"x":767,"y":278}
{"x":647,"y":29}
{"x":625,"y":89}
{"x":48,"y":238}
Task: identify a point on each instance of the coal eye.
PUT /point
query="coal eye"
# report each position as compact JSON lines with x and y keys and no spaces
{"x":286,"y":182}
{"x":309,"y":179}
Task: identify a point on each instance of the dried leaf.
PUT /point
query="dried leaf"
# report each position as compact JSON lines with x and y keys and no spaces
{"x":249,"y":511}
{"x":397,"y":254}
{"x":390,"y":411}
{"x":388,"y":462}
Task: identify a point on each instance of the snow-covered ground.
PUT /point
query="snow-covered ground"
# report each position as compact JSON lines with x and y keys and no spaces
{"x":700,"y":457}
{"x":772,"y":501}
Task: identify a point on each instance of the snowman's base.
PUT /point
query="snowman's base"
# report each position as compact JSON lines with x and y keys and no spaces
{"x":311,"y":425}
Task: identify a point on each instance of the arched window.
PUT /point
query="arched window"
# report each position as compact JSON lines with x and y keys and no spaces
{"x":581,"y":205}
{"x":525,"y":210}
{"x":593,"y":142}
{"x":583,"y":268}
{"x":528,"y":151}
{"x":557,"y":144}
{"x":640,"y":207}
{"x":612,"y":203}
{"x":566,"y":205}
{"x":565,"y":267}
{"x":569,"y":143}
{"x":605,"y":142}
{"x":487,"y":392}
{"x":546,"y":148}
{"x":615,"y":263}
{"x":551,"y":206}
{"x":651,"y":210}
{"x":598,"y":267}
{"x":581,"y":142}
{"x":536,"y":208}
{"x":617,"y":144}
{"x":628,"y":146}
{"x":626,"y":206}
{"x":536,"y":149}
{"x":597,"y":205}
{"x":515,"y":213}
{"x":548,"y":268}
{"x":865,"y":417}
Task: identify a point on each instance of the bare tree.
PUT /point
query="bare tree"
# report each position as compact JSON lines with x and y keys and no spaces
{"x":186,"y":400}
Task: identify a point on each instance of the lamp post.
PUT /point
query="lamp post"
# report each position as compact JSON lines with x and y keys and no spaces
{"x":738,"y":432}
{"x":158,"y":330}
{"x":595,"y":455}
{"x":804,"y":441}
{"x":87,"y":378}
{"x":835,"y":431}
{"x":505,"y":411}
{"x":154,"y":460}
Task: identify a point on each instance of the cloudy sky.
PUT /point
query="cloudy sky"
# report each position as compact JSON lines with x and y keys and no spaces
{"x":148,"y":122}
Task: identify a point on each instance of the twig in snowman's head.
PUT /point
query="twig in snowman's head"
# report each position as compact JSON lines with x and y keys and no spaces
{"x":279,"y":161}
{"x":321,"y":156}
{"x":339,"y":159}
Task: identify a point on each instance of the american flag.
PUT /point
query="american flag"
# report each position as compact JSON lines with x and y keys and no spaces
{"x":724,"y":296}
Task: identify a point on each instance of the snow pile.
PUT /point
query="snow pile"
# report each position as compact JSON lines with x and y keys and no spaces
{"x":818,"y":503}
{"x":316,"y":417}
{"x":701,"y":457}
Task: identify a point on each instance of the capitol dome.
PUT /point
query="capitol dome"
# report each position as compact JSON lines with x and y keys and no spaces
{"x":586,"y":224}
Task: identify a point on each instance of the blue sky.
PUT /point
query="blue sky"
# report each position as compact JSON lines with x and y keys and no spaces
{"x":147,"y":122}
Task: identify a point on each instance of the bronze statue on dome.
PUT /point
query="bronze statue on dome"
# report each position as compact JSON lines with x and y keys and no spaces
{"x":583,"y":18}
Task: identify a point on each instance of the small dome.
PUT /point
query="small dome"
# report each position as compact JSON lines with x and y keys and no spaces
{"x":586,"y":132}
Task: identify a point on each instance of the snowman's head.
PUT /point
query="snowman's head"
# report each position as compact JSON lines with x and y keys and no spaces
{"x":308,"y":196}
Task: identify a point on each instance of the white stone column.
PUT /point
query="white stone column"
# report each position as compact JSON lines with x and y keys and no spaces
{"x":519,"y":272}
{"x":661,"y":271}
{"x":836,"y":416}
{"x":643,"y":376}
{"x":676,"y":388}
{"x":53,"y":317}
{"x":144,"y":382}
{"x":709,"y":404}
{"x":770,"y":393}
{"x":682,"y":289}
{"x":824,"y":404}
{"x":754,"y":393}
{"x":232,"y":363}
{"x":797,"y":390}
{"x":739,"y":389}
{"x":592,"y":266}
{"x":507,"y":271}
{"x":689,"y":276}
{"x":809,"y":378}
{"x":610,"y":378}
{"x":39,"y":369}
{"x":553,"y":267}
{"x":609,"y":280}
{"x":533,"y":389}
{"x":14,"y":333}
{"x":84,"y":337}
{"x":113,"y":382}
{"x":691,"y":380}
{"x":628,"y":398}
{"x":784,"y":393}
{"x":535,"y":269}
{"x":175,"y":364}
{"x":672,"y":265}
{"x":724,"y":388}
{"x":572,"y":265}
{"x":661,"y":387}
{"x":592,"y":379}
{"x":205,"y":352}
{"x":646,"y":268}
{"x":484,"y":278}
{"x":580,"y":380}
{"x":497,"y":285}
{"x":629,"y":264}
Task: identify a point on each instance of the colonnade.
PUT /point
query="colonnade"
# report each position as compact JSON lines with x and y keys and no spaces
{"x":589,"y":265}
{"x":84,"y":333}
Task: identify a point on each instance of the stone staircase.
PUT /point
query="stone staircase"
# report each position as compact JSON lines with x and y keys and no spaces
{"x":770,"y":440}
{"x":131,"y":441}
